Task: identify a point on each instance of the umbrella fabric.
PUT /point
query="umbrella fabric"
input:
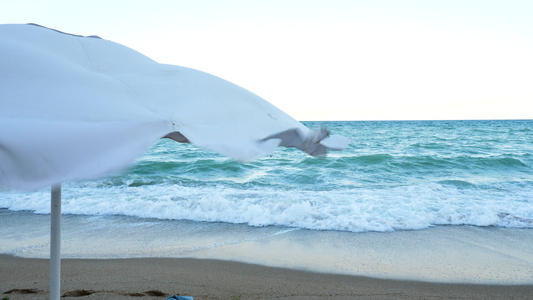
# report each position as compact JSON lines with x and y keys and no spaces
{"x":74,"y":107}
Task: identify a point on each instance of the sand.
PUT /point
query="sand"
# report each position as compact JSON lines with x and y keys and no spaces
{"x":447,"y":254}
{"x":157,"y":278}
{"x":232,"y":261}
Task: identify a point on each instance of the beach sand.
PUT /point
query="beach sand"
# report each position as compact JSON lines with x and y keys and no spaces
{"x":157,"y":278}
{"x":124,"y":258}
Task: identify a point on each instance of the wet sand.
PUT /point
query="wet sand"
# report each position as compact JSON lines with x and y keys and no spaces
{"x":124,"y":258}
{"x":446,"y":254}
{"x":157,"y":278}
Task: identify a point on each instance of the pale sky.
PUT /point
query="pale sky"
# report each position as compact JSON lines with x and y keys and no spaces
{"x":330,"y":59}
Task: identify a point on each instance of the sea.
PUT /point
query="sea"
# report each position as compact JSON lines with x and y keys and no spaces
{"x":395,"y":176}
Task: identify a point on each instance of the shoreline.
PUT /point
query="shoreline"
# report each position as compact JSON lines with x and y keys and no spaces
{"x":444,"y":254}
{"x":158,"y":278}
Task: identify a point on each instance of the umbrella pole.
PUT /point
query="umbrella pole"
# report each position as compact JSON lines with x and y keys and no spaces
{"x":55,"y":243}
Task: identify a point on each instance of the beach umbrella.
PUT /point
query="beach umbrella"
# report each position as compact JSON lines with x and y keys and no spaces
{"x":74,"y":108}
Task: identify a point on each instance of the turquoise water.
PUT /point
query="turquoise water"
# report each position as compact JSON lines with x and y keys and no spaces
{"x":395,"y":175}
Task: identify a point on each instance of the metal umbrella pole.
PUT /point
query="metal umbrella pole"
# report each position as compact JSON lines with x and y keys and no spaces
{"x":55,"y":243}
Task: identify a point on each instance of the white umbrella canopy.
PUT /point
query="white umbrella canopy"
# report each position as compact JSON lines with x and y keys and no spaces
{"x":74,"y":107}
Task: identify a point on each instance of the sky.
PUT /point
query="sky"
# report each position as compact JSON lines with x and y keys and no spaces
{"x":329,"y":59}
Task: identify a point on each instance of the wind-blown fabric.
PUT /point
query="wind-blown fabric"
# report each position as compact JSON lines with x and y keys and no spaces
{"x":74,"y":107}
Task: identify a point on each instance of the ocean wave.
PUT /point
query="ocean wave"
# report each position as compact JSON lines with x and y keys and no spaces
{"x":457,"y":183}
{"x":357,"y":210}
{"x":372,"y":159}
{"x":394,"y":176}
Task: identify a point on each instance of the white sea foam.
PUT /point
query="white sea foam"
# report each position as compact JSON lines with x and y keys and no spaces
{"x":358,"y":210}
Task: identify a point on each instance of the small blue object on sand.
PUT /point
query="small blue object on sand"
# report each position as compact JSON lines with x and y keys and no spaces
{"x":176,"y":297}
